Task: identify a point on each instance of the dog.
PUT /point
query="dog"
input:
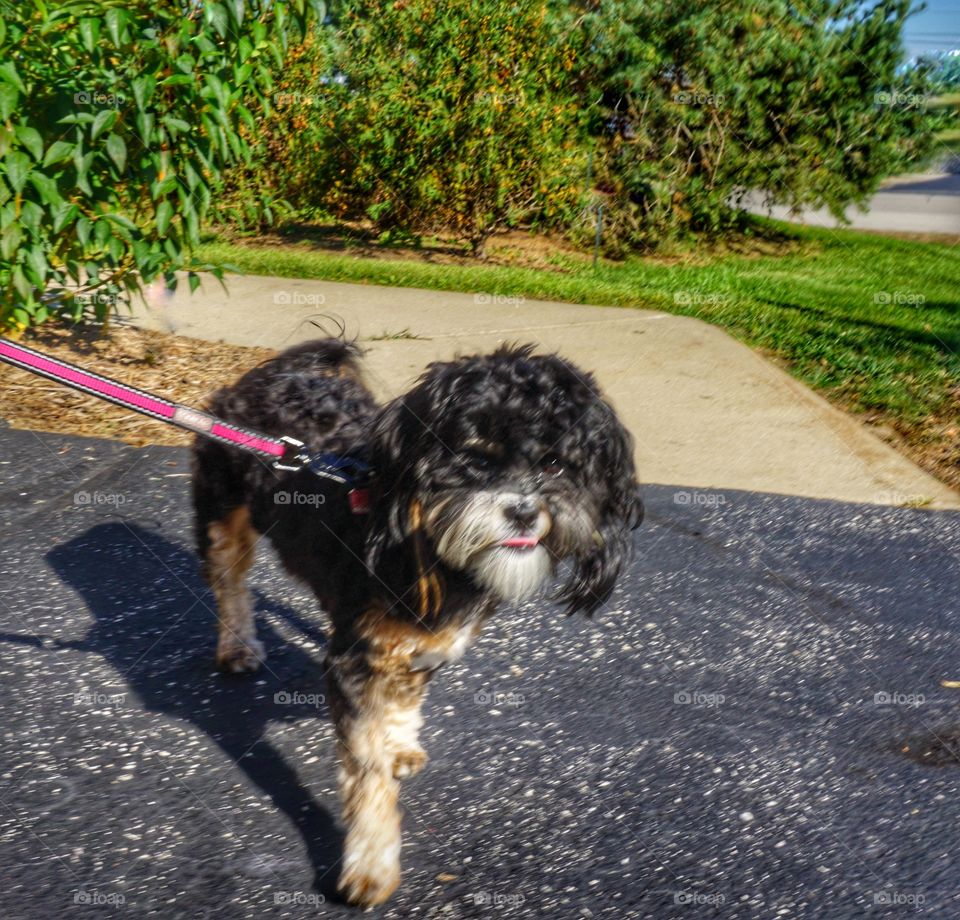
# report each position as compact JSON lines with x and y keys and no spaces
{"x":487,"y":475}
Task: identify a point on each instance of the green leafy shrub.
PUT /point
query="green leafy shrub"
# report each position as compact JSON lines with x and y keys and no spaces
{"x":117,"y":120}
{"x":428,"y":116}
{"x":694,"y":104}
{"x":431,"y":116}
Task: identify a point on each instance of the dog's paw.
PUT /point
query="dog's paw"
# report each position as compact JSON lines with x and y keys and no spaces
{"x":409,"y":763}
{"x":241,"y":657}
{"x":366,"y":888}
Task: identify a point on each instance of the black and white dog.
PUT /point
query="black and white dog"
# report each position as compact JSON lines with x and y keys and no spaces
{"x":487,"y":474}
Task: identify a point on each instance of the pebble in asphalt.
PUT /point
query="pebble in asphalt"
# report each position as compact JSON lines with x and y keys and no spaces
{"x":756,"y":726}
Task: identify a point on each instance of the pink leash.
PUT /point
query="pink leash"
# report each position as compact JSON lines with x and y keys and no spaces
{"x":287,"y":453}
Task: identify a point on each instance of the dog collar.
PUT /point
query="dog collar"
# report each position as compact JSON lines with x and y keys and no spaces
{"x":349,"y":471}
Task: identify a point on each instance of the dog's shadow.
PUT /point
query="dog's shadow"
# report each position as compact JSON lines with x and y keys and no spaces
{"x":154,"y":623}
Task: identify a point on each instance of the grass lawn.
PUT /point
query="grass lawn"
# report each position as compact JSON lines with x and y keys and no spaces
{"x":870,"y":321}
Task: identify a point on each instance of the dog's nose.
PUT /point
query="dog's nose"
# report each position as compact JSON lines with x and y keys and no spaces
{"x":524,"y":511}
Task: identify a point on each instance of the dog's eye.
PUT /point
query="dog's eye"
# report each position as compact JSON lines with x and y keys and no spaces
{"x":551,"y":468}
{"x":476,"y":459}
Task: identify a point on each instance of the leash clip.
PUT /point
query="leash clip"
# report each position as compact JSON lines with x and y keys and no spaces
{"x":294,"y":456}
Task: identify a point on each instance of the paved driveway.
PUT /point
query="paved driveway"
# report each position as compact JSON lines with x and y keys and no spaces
{"x":755,"y":726}
{"x":908,"y":204}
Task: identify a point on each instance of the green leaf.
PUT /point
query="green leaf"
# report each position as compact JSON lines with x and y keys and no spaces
{"x":63,"y":213}
{"x":177,"y":79}
{"x":30,"y":215}
{"x":9,"y":240}
{"x":101,"y":232}
{"x":103,"y":122}
{"x":8,"y":74}
{"x":117,"y":151}
{"x":17,"y":169}
{"x":124,"y":226}
{"x":82,"y":164}
{"x":164,"y":214}
{"x":143,"y":89}
{"x":144,"y":123}
{"x":46,"y":186}
{"x":163,"y":187}
{"x":116,"y":19}
{"x":89,"y":33}
{"x":20,"y":282}
{"x":216,"y":15}
{"x":8,"y":100}
{"x":30,"y":138}
{"x":194,"y":279}
{"x":83,"y":231}
{"x":57,"y":151}
{"x":176,"y":124}
{"x":36,"y":261}
{"x":193,"y":227}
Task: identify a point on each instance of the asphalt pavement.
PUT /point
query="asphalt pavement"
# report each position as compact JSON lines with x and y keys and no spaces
{"x":928,"y":203}
{"x":756,"y":726}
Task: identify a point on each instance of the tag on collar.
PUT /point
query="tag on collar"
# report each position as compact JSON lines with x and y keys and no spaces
{"x":359,"y":501}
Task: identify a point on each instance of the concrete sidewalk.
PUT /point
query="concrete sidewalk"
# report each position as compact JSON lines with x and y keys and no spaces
{"x":706,"y":411}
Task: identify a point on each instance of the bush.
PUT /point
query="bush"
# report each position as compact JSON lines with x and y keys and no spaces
{"x":442,"y":115}
{"x":702,"y":102}
{"x":427,"y":116}
{"x":117,"y":119}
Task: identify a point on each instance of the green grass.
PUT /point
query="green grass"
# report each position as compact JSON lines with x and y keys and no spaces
{"x":871,"y":321}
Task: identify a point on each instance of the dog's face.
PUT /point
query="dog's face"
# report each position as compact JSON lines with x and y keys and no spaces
{"x":502,"y":466}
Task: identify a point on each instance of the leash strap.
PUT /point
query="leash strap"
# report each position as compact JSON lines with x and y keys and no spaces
{"x":287,"y":453}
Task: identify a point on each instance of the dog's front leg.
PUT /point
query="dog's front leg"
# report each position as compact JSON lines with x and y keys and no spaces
{"x":364,"y":693}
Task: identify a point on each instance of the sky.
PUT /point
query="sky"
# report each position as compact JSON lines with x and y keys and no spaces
{"x":937,"y":28}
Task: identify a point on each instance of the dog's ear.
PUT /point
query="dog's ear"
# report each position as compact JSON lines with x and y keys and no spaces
{"x":392,"y":457}
{"x":396,"y":513}
{"x":611,"y":477}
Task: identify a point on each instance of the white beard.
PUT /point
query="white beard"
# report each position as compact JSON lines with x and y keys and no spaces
{"x":512,"y":574}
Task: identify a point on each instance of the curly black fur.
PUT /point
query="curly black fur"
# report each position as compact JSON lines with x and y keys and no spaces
{"x":534,"y":408}
{"x":490,"y":472}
